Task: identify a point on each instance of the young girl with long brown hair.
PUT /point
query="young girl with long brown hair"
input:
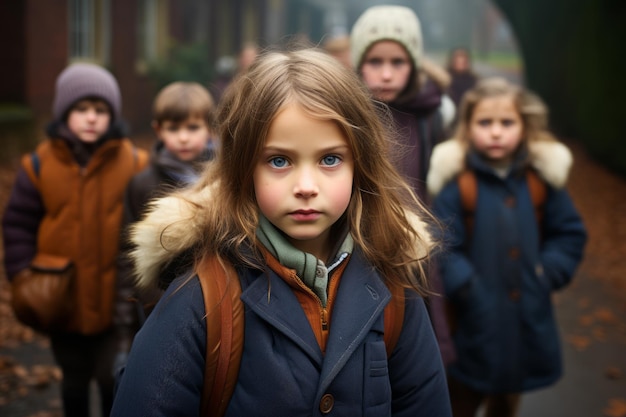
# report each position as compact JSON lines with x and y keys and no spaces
{"x":303,"y":201}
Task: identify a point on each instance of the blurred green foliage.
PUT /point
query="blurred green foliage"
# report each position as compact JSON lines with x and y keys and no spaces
{"x":11,"y":112}
{"x":573,"y":52}
{"x":503,"y":60}
{"x":184,"y":62}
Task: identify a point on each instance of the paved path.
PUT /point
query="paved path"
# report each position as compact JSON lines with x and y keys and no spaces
{"x":592,"y":318}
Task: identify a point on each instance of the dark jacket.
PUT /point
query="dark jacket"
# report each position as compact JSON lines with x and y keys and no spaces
{"x":461,"y":83}
{"x":283,"y":371}
{"x":164,"y":174}
{"x":419,"y":127}
{"x":500,"y":277}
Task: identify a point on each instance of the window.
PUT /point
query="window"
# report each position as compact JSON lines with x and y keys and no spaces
{"x":152,"y":33}
{"x":89,"y":30}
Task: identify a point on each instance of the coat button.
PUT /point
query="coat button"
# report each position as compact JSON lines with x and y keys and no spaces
{"x":514,"y":253}
{"x":515,"y":294}
{"x":326,"y":403}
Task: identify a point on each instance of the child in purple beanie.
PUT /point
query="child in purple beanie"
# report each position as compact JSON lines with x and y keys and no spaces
{"x":67,"y":202}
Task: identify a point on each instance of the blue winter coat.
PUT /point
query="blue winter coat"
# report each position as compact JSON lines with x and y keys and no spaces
{"x":500,"y":278}
{"x":283,"y":371}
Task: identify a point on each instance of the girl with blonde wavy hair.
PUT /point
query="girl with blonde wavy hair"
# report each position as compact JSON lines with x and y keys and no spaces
{"x":514,"y":237}
{"x":323,"y":233}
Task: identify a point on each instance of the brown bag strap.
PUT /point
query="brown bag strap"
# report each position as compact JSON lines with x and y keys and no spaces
{"x":140,"y":159}
{"x":50,"y":263}
{"x":538,"y":193}
{"x":394,"y":318}
{"x":221,"y":290}
{"x":468,"y":189}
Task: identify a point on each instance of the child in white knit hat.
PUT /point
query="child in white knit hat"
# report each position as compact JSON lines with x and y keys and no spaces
{"x":387,"y":53}
{"x":66,"y":205}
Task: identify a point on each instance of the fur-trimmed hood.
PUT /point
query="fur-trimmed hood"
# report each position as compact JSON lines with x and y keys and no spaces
{"x":551,"y":159}
{"x":169,"y":228}
{"x":173,"y":225}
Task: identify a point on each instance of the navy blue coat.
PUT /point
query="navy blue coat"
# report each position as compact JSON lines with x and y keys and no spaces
{"x":283,"y":371}
{"x":500,"y":279}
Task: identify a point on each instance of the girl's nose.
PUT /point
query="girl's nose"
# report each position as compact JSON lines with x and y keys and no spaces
{"x":92,"y":114}
{"x":496,"y":129}
{"x":386,"y":71}
{"x":306,"y":185}
{"x":183,"y":135}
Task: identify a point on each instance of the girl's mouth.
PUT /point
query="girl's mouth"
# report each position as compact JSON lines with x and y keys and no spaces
{"x":305,"y":215}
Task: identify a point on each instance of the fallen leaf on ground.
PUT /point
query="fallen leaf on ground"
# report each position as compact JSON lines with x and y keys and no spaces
{"x":580,"y":343}
{"x":616,"y":408}
{"x":613,"y":372}
{"x":586,"y":320}
{"x":605,"y":315}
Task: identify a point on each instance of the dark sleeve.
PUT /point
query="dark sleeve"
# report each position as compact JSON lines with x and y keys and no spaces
{"x":455,"y":267}
{"x":416,"y":372}
{"x":126,"y":316}
{"x":435,"y":304}
{"x":564,"y":239}
{"x":136,"y":197}
{"x":20,"y":224}
{"x":164,"y":375}
{"x":132,"y":305}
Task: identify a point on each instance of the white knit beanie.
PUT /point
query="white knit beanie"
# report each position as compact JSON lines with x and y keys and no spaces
{"x":84,"y":80}
{"x":378,"y":23}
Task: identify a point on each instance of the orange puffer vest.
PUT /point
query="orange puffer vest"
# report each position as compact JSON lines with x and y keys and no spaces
{"x":83,"y":213}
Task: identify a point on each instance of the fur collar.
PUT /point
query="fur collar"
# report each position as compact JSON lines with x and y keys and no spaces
{"x":169,"y":228}
{"x":551,"y":159}
{"x":173,"y":225}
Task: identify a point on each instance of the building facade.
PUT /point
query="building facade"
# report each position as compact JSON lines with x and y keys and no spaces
{"x":40,"y":37}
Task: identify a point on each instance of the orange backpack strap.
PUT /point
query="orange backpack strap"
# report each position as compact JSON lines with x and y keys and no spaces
{"x":32,"y":162}
{"x":140,"y":158}
{"x":221,"y":290}
{"x":468,"y":189}
{"x":538,"y":193}
{"x":394,"y":318}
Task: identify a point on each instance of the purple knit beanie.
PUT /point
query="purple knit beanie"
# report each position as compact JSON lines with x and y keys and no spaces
{"x":82,"y":80}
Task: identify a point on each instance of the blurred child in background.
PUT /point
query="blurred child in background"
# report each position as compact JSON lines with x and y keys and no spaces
{"x":462,"y":76}
{"x":183,"y":121}
{"x":67,"y":201}
{"x":338,"y":46}
{"x":514,"y":238}
{"x":387,"y":53}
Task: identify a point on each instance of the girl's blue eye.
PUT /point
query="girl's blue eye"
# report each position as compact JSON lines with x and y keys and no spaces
{"x":398,"y":62}
{"x":508,"y":122}
{"x":331,"y":160}
{"x":278,"y":162}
